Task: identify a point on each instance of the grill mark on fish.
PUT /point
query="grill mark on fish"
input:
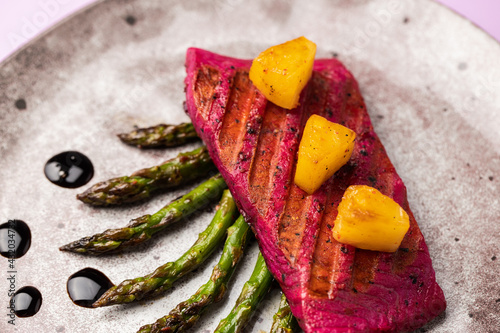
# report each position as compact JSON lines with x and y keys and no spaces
{"x":326,"y":268}
{"x":364,"y":269}
{"x":294,"y":203}
{"x":293,"y":222}
{"x":332,"y":261}
{"x":205,"y":82}
{"x":263,"y":166}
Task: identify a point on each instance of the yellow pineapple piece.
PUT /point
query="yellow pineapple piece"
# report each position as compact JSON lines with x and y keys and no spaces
{"x":282,"y":71}
{"x":325,"y":147}
{"x":369,"y":220}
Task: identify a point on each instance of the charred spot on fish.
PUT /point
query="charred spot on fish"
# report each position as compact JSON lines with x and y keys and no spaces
{"x":491,"y":178}
{"x":363,"y":152}
{"x":406,"y":302}
{"x":404,"y":249}
{"x":344,"y":250}
{"x":355,"y":290}
{"x":457,"y":239}
{"x":320,"y":208}
{"x":232,"y":67}
{"x":413,"y":279}
{"x":329,"y":112}
{"x":329,"y":226}
{"x":471,"y":315}
{"x":242,"y":157}
{"x":292,"y":129}
{"x":494,"y":258}
{"x":372,"y":180}
{"x":250,"y":129}
{"x":237,"y":121}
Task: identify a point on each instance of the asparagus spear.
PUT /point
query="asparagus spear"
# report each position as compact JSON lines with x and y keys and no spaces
{"x":141,"y":229}
{"x":164,"y":276}
{"x":160,"y":136}
{"x":283,"y":320}
{"x":187,"y":313}
{"x":177,"y":171}
{"x":252,"y":293}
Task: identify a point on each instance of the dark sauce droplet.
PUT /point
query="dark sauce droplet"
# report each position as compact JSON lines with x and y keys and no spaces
{"x":21,"y":104}
{"x":86,"y":286}
{"x":70,"y":169}
{"x":26,"y":301}
{"x":15,"y":239}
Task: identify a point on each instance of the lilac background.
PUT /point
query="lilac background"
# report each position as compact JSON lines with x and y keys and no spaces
{"x":21,"y":20}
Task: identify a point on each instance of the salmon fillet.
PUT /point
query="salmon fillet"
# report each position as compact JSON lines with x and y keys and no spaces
{"x":331,"y":287}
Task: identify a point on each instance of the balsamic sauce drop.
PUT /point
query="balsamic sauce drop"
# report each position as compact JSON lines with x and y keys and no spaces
{"x":70,"y":169}
{"x":86,"y":286}
{"x":26,"y":301}
{"x":15,"y":239}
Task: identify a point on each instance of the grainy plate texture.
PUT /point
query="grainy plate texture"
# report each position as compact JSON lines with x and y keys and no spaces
{"x":431,"y":81}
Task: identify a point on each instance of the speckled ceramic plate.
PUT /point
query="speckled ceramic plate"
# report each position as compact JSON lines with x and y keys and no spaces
{"x":431,"y":81}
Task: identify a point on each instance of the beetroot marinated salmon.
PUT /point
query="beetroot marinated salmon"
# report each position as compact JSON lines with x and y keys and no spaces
{"x":331,"y":287}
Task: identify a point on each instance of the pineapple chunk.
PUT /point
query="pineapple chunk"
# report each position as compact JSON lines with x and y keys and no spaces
{"x":325,"y":147}
{"x":369,"y":220}
{"x":282,"y":71}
